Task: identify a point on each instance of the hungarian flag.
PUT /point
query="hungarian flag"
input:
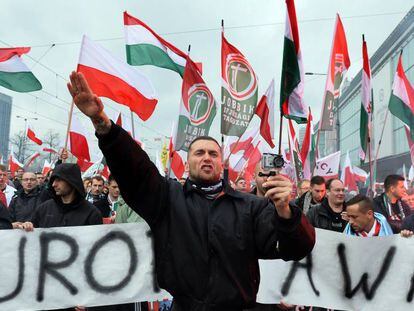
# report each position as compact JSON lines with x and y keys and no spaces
{"x":306,"y":150}
{"x":78,"y":143}
{"x":401,"y":102}
{"x":31,"y":159}
{"x":292,"y":82}
{"x":294,"y":151}
{"x":197,"y":110}
{"x":238,"y":91}
{"x":338,"y":65}
{"x":14,"y":164}
{"x":176,"y":161}
{"x":266,"y":111}
{"x":111,"y":77}
{"x":348,"y":176}
{"x":14,"y":74}
{"x":32,"y":136}
{"x":145,"y":47}
{"x":46,"y":167}
{"x":328,"y":166}
{"x":367,"y":106}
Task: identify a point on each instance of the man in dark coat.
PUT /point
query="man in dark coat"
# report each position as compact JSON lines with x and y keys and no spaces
{"x":207,"y":237}
{"x":390,"y":203}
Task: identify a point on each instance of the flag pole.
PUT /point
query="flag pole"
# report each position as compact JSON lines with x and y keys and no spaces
{"x":68,"y":129}
{"x":226,"y":161}
{"x":132,"y":124}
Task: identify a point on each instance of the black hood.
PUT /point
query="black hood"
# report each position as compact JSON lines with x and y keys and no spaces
{"x":71,"y":174}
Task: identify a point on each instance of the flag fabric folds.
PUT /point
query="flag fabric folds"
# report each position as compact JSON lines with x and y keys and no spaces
{"x":266,"y":111}
{"x":111,"y":77}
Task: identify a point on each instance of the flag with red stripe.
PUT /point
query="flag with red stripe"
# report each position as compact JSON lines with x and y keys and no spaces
{"x":266,"y":112}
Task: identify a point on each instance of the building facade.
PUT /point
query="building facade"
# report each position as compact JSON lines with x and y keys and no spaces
{"x":5,"y":115}
{"x":388,"y":131}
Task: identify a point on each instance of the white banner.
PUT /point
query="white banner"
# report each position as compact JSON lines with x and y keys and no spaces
{"x":85,"y":266}
{"x":112,"y":264}
{"x":345,"y":273}
{"x":328,"y":166}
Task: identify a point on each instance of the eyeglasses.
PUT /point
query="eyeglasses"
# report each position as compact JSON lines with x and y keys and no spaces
{"x":28,"y":179}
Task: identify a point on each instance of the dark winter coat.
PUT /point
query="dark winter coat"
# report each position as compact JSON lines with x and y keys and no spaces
{"x":5,"y":221}
{"x":379,"y":207}
{"x":206,"y":251}
{"x":54,"y":213}
{"x":23,"y":205}
{"x":323,"y":217}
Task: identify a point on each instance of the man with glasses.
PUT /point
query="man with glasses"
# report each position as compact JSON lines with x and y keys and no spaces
{"x":26,"y":200}
{"x":7,"y":190}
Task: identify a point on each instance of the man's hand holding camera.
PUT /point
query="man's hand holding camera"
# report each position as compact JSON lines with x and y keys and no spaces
{"x":279,"y":189}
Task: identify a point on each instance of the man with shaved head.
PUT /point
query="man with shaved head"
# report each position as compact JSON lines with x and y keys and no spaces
{"x":207,"y":237}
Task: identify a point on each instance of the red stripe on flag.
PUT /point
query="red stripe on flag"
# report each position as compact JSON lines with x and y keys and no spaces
{"x":262,"y":111}
{"x":106,"y":85}
{"x":7,"y":53}
{"x":79,"y":146}
{"x":32,"y":136}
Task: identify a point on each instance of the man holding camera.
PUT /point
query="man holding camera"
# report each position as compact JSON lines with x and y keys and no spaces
{"x":207,"y":237}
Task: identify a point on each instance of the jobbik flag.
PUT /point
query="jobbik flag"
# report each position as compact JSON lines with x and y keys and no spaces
{"x":14,"y":73}
{"x":238,"y":91}
{"x":328,"y":167}
{"x":401,"y":102}
{"x":292,"y":82}
{"x":367,"y":106}
{"x":197,"y":110}
{"x":338,"y":64}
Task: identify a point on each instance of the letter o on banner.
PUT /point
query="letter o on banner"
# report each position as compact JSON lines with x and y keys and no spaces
{"x":90,"y":278}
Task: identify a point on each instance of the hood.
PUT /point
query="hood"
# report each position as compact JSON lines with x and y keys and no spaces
{"x":70,"y":173}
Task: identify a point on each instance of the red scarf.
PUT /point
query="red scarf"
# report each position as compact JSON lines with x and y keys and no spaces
{"x":376,"y":231}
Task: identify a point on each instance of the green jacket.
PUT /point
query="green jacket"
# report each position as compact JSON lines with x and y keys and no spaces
{"x":124,"y":214}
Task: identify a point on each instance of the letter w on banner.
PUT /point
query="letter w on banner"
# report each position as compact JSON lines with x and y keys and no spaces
{"x":328,"y":166}
{"x":238,"y":91}
{"x":197,"y":110}
{"x":338,"y":64}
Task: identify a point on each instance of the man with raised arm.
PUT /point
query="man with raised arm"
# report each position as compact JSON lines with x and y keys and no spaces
{"x":208,"y":238}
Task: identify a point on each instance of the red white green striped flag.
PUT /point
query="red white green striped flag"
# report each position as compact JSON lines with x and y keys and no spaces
{"x":366,"y":102}
{"x":306,"y":150}
{"x":14,"y":74}
{"x":145,"y":47}
{"x":401,"y":102}
{"x":292,"y":83}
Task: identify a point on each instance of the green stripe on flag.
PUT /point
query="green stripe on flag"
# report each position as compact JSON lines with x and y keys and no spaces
{"x":20,"y":81}
{"x":399,"y":109}
{"x":148,"y":54}
{"x":290,"y":71}
{"x":363,"y":129}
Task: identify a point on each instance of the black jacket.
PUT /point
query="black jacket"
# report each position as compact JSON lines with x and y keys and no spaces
{"x":54,"y":213}
{"x":23,"y":205}
{"x":379,"y":207}
{"x":323,"y":217}
{"x":5,"y":221}
{"x":206,"y":251}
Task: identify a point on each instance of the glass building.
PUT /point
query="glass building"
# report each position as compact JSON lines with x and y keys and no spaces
{"x":5,"y":115}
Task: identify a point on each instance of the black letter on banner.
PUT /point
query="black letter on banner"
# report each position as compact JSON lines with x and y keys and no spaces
{"x":111,"y":236}
{"x":20,"y":277}
{"x":47,"y":266}
{"x":411,"y":291}
{"x":363,"y":282}
{"x":155,"y":285}
{"x":294,"y":268}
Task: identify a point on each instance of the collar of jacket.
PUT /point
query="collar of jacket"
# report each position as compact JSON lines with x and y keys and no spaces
{"x":32,"y":192}
{"x":324,"y":207}
{"x":227,"y":189}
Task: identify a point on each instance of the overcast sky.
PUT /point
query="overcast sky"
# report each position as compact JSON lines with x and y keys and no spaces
{"x":255,"y":27}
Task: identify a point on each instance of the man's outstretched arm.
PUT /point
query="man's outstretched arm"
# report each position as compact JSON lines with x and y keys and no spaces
{"x":141,"y":185}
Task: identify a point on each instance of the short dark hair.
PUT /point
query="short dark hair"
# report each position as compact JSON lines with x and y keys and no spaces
{"x":317,"y":180}
{"x":98,"y":177}
{"x":392,"y":180}
{"x":3,"y":168}
{"x":203,"y":138}
{"x":111,"y":178}
{"x":330,"y":181}
{"x":365,"y":204}
{"x":38,"y":173}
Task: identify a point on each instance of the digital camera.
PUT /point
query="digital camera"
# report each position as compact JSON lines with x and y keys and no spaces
{"x":272,"y":161}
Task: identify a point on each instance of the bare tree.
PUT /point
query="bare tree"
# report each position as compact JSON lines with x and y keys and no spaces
{"x":22,"y":147}
{"x":51,"y":140}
